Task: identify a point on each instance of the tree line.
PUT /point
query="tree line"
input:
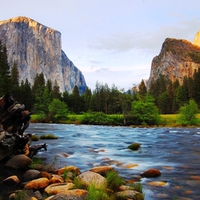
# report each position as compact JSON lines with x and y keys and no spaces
{"x":138,"y":104}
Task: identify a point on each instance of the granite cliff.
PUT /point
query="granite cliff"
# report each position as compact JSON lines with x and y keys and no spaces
{"x":178,"y":58}
{"x":37,"y":48}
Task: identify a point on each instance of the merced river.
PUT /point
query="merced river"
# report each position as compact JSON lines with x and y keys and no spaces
{"x":173,"y":151}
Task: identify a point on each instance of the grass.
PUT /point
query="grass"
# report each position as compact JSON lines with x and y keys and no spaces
{"x":113,"y":180}
{"x":95,"y":193}
{"x":35,"y":161}
{"x":48,"y":136}
{"x":166,"y":119}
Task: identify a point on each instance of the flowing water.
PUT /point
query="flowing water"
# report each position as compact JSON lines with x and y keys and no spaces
{"x":174,"y":151}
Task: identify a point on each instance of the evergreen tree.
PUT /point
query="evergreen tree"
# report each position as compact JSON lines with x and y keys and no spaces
{"x":14,"y":80}
{"x":142,"y":89}
{"x":196,"y":85}
{"x":56,"y":91}
{"x":5,"y":85}
{"x":76,"y":100}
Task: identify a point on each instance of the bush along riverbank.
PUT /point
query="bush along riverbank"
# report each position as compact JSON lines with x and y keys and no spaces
{"x":33,"y":180}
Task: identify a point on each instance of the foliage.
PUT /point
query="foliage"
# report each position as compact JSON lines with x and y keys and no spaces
{"x":145,"y":111}
{"x":57,"y":110}
{"x":35,"y":161}
{"x":100,"y":118}
{"x":34,"y":137}
{"x":188,"y":114}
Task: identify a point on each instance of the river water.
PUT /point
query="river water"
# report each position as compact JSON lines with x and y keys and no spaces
{"x":174,"y":151}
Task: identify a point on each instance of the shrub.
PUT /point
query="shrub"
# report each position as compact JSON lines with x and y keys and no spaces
{"x":48,"y":136}
{"x":145,"y":112}
{"x":188,"y":114}
{"x":35,"y":137}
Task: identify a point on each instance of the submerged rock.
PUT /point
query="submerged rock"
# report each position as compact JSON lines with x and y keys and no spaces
{"x":151,"y":173}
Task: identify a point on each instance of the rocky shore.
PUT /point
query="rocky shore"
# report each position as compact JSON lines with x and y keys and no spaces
{"x":38,"y":181}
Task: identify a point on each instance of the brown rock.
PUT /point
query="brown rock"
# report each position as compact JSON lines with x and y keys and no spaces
{"x":56,"y":179}
{"x":73,"y":169}
{"x":58,"y":188}
{"x":37,"y":184}
{"x":20,"y":161}
{"x":102,"y":170}
{"x":45,"y":175}
{"x":151,"y":173}
{"x":11,"y":181}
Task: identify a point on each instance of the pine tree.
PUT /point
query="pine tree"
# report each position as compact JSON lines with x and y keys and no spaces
{"x":142,"y":89}
{"x":5,"y":86}
{"x":14,"y":80}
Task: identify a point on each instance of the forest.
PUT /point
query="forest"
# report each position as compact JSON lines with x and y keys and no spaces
{"x":44,"y":97}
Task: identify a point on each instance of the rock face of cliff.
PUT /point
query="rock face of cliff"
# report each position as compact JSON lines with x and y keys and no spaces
{"x":177,"y":59}
{"x":37,"y":48}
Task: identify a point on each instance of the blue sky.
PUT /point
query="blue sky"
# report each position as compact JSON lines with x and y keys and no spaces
{"x":111,"y":41}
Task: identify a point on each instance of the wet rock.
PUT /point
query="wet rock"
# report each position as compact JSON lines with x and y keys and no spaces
{"x":102,"y":170}
{"x":91,"y":178}
{"x":151,"y":173}
{"x":157,"y":183}
{"x":129,"y":194}
{"x":11,"y":181}
{"x":31,"y":174}
{"x":76,"y":194}
{"x":126,"y":187}
{"x":134,"y":146}
{"x":58,"y":188}
{"x":20,"y":161}
{"x":37,"y":184}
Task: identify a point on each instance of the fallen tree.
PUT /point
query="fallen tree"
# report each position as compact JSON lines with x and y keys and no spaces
{"x":14,"y":120}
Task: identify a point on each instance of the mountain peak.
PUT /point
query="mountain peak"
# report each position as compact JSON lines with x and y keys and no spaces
{"x":37,"y":48}
{"x":197,"y":39}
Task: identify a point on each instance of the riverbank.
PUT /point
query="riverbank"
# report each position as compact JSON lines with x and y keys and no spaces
{"x":167,"y":120}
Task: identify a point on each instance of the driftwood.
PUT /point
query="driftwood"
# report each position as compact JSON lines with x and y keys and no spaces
{"x":35,"y":148}
{"x":14,"y":120}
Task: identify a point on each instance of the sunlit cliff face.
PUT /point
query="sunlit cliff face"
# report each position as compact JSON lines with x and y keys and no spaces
{"x":37,"y":48}
{"x":197,"y":39}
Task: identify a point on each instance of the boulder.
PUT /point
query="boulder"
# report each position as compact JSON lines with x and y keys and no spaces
{"x":31,"y":174}
{"x":57,"y":188}
{"x":37,"y":184}
{"x":76,"y":194}
{"x":91,"y":178}
{"x":20,"y":161}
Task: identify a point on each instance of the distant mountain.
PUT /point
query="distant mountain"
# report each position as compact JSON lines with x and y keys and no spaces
{"x":37,"y":48}
{"x":177,"y":59}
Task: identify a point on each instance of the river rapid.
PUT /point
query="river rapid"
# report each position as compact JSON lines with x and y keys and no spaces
{"x":174,"y":151}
